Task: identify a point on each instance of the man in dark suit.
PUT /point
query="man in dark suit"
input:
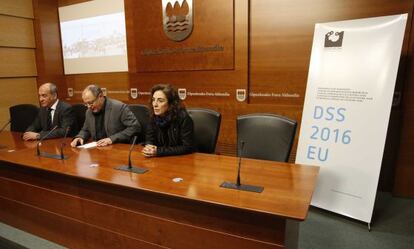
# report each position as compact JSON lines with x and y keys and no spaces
{"x":53,"y":112}
{"x":107,"y":120}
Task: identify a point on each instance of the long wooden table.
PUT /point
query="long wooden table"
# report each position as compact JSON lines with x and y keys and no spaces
{"x":77,"y":204}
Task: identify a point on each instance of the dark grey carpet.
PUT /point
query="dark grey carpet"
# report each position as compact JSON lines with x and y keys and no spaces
{"x":13,"y":238}
{"x":392,"y":227}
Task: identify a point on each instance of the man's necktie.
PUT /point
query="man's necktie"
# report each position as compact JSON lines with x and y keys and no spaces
{"x":49,"y":118}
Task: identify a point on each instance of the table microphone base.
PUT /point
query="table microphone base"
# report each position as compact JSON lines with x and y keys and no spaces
{"x":243,"y":187}
{"x":132,"y":169}
{"x":54,"y":156}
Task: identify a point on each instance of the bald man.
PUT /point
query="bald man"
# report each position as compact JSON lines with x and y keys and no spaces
{"x":53,"y":112}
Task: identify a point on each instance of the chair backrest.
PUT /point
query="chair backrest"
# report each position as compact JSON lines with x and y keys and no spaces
{"x":21,"y":116}
{"x":79,"y":110}
{"x":142,"y":113}
{"x":206,"y":128}
{"x":265,"y":136}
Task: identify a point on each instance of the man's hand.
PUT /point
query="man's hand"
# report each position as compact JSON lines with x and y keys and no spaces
{"x":76,"y":141}
{"x":104,"y":142}
{"x":29,"y":135}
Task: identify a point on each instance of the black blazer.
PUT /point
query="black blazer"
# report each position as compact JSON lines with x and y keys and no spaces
{"x":175,"y":139}
{"x":63,"y":118}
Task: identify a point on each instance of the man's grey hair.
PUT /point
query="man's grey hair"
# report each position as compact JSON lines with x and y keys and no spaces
{"x":94,"y":89}
{"x":52,"y":88}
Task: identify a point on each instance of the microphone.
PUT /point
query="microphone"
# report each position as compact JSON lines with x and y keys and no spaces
{"x":129,"y":167}
{"x":2,"y":128}
{"x":43,"y":138}
{"x":130,"y":150}
{"x":240,"y":158}
{"x":63,"y":144}
{"x":238,"y":185}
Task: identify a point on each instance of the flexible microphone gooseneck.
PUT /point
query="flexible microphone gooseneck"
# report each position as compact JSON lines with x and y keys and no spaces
{"x":129,"y":167}
{"x":5,"y":125}
{"x":238,"y":185}
{"x":62,"y":157}
{"x":43,"y":138}
{"x":2,"y":128}
{"x":130,"y":151}
{"x":240,"y":158}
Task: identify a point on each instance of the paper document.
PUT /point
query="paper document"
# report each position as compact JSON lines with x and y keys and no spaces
{"x":87,"y":146}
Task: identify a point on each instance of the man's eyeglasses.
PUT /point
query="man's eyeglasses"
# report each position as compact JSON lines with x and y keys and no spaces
{"x":91,"y":103}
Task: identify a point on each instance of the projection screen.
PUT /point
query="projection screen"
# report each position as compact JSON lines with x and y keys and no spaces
{"x":94,"y":37}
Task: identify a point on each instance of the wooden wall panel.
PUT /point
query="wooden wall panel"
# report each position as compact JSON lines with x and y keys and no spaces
{"x":70,"y":2}
{"x":48,"y":50}
{"x":212,"y":26}
{"x":280,"y":44}
{"x":21,"y":8}
{"x":16,"y":32}
{"x":16,"y":62}
{"x":15,"y":91}
{"x":17,"y":56}
{"x":404,"y":170}
{"x":116,"y":84}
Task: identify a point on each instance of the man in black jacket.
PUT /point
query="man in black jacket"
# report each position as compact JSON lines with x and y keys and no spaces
{"x":53,"y":112}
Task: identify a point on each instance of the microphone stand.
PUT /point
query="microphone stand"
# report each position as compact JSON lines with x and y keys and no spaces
{"x":1,"y":130}
{"x":238,"y":185}
{"x":46,"y":154}
{"x":129,"y":167}
{"x":63,"y":157}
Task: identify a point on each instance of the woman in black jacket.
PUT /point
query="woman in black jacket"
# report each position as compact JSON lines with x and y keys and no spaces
{"x":170,"y":130}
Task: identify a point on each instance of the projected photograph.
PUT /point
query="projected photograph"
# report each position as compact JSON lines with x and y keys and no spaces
{"x":94,"y":36}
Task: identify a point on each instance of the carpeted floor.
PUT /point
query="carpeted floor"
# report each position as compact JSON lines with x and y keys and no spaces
{"x":392,"y":227}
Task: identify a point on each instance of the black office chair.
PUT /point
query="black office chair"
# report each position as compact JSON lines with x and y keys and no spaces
{"x":22,"y":116}
{"x":265,"y":136}
{"x":206,"y":128}
{"x":79,"y":110}
{"x":142,"y":113}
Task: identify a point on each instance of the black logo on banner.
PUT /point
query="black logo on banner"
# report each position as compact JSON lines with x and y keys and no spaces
{"x":334,"y":39}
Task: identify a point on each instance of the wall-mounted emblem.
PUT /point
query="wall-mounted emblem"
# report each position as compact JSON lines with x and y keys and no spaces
{"x":70,"y":92}
{"x":177,"y":19}
{"x":134,"y":93}
{"x":334,"y":39}
{"x":241,"y":95}
{"x":182,"y":93}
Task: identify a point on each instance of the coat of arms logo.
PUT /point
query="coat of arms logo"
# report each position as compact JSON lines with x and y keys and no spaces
{"x":134,"y":93}
{"x":70,"y":92}
{"x":241,"y":95}
{"x":177,"y":19}
{"x":182,"y":93}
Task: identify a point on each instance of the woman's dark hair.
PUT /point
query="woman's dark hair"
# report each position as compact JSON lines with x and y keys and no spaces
{"x":174,"y":102}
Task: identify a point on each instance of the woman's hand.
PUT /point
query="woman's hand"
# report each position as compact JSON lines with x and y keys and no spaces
{"x":149,"y":150}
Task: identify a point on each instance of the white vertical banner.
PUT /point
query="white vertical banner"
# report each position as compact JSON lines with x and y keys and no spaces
{"x":348,"y":99}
